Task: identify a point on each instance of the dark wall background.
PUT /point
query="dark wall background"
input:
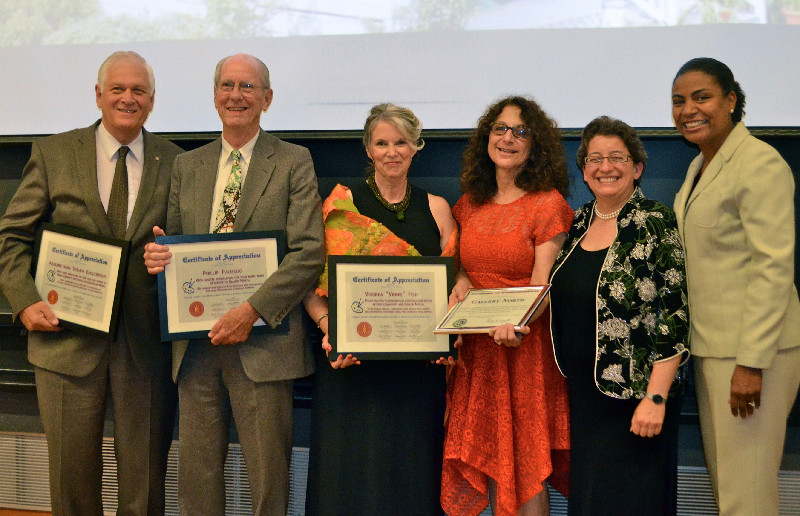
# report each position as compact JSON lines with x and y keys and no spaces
{"x":340,"y":157}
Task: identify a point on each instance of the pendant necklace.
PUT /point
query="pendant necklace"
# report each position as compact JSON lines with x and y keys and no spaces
{"x":398,"y":208}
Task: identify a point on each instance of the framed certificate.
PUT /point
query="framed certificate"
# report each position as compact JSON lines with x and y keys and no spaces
{"x":211,"y":274}
{"x":484,"y":308}
{"x":386,"y":307}
{"x":81,"y":275}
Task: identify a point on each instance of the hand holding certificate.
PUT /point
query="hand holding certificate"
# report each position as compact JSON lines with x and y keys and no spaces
{"x":210,"y":275}
{"x":485,"y":308}
{"x":80,"y":275}
{"x":385,"y":307}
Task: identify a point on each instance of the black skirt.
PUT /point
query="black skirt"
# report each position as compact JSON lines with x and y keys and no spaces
{"x":612,"y":471}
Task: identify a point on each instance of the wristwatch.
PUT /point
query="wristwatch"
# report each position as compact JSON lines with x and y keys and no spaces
{"x":656,"y":398}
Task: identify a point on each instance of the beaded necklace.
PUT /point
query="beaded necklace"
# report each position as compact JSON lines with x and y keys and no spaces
{"x":607,"y":216}
{"x":398,"y":208}
{"x":613,"y":214}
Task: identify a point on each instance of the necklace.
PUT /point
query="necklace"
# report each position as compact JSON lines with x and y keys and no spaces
{"x":607,"y":216}
{"x":613,"y":214}
{"x":398,"y":208}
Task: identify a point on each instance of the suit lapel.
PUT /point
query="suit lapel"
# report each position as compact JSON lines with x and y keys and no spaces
{"x":86,"y":164}
{"x":682,"y":197}
{"x":205,"y":179}
{"x":679,"y":206}
{"x":151,"y":167}
{"x":259,"y":171}
{"x":717,"y":163}
{"x":712,"y":170}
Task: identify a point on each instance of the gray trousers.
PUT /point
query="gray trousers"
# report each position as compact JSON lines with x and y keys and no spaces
{"x":73,"y":414}
{"x":212,"y":387}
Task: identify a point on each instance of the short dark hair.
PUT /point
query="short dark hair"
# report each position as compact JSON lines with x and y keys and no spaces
{"x":607,"y":126}
{"x":546,"y":166}
{"x":722,"y":75}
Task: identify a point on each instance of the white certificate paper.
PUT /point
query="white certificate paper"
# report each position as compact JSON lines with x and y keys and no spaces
{"x":209,"y":275}
{"x":484,"y":308}
{"x":79,"y":277}
{"x":388,"y":309}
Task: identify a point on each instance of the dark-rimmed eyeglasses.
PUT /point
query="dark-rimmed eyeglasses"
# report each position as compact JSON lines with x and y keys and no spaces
{"x":519,"y":131}
{"x":615,"y":158}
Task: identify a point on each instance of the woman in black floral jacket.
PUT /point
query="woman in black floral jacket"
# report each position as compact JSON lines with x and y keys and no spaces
{"x":620,"y":327}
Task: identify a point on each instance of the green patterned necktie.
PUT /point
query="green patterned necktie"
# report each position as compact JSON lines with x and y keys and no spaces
{"x":118,"y":200}
{"x":226,"y":213}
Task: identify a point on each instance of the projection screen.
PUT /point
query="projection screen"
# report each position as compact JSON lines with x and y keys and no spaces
{"x":446,"y":59}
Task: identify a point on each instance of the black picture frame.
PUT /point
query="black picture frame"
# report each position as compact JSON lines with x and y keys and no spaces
{"x":213,"y":243}
{"x":385,"y":315}
{"x":64,"y":278}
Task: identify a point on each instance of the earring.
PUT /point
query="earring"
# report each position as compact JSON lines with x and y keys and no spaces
{"x":731,"y":110}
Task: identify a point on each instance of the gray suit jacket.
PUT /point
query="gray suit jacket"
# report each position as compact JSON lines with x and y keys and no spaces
{"x":59,"y":185}
{"x":737,"y":227}
{"x":279,"y":193}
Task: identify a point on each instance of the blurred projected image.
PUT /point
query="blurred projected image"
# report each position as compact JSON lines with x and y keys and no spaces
{"x":54,"y":22}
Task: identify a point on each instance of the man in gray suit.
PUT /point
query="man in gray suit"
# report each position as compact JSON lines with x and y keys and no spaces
{"x":70,"y":180}
{"x":247,"y":180}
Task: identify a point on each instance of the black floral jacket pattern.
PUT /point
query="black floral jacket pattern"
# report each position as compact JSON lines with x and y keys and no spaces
{"x":642,"y":310}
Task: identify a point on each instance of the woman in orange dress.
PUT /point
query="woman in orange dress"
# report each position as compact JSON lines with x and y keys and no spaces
{"x":508,"y":414}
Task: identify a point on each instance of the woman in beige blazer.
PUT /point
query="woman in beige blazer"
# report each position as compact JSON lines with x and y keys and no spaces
{"x":735,"y":213}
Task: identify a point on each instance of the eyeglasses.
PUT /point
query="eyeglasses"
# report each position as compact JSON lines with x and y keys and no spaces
{"x":615,"y":158}
{"x":520,"y":131}
{"x":246,"y":88}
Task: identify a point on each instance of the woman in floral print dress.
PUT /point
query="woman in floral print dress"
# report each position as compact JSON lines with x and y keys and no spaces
{"x":620,"y":330}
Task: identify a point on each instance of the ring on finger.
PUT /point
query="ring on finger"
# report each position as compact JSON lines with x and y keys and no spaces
{"x":751,"y":404}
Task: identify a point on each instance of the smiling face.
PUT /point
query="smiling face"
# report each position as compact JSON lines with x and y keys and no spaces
{"x":508,"y":152}
{"x":611,"y":183}
{"x":702,"y":111}
{"x":125,"y":99}
{"x":390,"y":151}
{"x":241,"y":112}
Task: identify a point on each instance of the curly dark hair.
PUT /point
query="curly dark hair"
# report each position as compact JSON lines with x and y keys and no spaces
{"x":545,"y":168}
{"x":607,"y":126}
{"x":722,"y":75}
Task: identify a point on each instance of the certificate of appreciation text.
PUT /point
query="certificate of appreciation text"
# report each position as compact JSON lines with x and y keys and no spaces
{"x":387,"y":307}
{"x":79,"y":275}
{"x":209,"y":275}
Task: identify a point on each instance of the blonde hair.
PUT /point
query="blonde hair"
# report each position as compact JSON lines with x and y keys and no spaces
{"x":402,"y":118}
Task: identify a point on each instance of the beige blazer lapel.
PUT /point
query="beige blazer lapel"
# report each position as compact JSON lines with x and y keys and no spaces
{"x":682,"y":197}
{"x":86,"y":165}
{"x":711,"y":172}
{"x":258,"y":174}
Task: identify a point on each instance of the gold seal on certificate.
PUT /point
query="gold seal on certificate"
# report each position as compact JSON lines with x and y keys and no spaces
{"x":386,"y":307}
{"x":211,"y":274}
{"x":79,"y":276}
{"x":484,"y":308}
